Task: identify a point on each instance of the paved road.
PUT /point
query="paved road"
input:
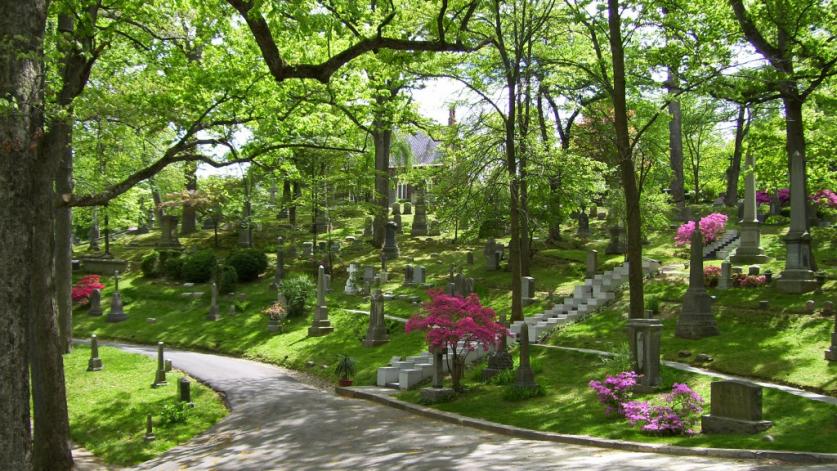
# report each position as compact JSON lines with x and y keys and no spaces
{"x":277,"y":422}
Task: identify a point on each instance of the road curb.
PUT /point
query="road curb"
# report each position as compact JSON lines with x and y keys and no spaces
{"x":518,"y":432}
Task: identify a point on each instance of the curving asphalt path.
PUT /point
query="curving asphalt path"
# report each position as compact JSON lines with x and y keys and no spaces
{"x":277,"y":422}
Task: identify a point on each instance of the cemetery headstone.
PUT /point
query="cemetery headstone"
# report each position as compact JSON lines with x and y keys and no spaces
{"x":116,"y":313}
{"x":490,"y":253}
{"x":592,"y":263}
{"x":368,"y":226}
{"x":419,"y":227}
{"x":644,"y":339}
{"x":390,"y":249}
{"x":408,"y":208}
{"x":753,"y":270}
{"x":616,"y":244}
{"x":376,"y":333}
{"x":396,"y":209}
{"x":696,"y":319}
{"x":351,"y":287}
{"x":775,"y":204}
{"x":149,"y":429}
{"x":321,"y":324}
{"x":437,"y":393}
{"x":735,"y":407}
{"x":408,"y":275}
{"x":725,"y":279}
{"x":280,"y":262}
{"x":810,"y":306}
{"x":307,"y":249}
{"x":95,"y":300}
{"x":160,"y":377}
{"x":94,"y":363}
{"x":419,"y":276}
{"x":583,"y":224}
{"x":828,"y":308}
{"x":214,"y":311}
{"x":396,"y":218}
{"x":168,"y":232}
{"x":321,"y":246}
{"x":527,"y":290}
{"x":184,"y":388}
{"x":525,"y":377}
{"x":831,"y":353}
{"x":469,"y":258}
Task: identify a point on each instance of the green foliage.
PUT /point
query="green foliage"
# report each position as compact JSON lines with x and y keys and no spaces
{"x":515,"y":392}
{"x":248,"y":264}
{"x":345,"y":368}
{"x":621,"y":358}
{"x":176,"y":413}
{"x":198,"y":266}
{"x":227,"y":279}
{"x":299,"y":291}
{"x":149,"y":265}
{"x":173,"y":267}
{"x":503,"y":377}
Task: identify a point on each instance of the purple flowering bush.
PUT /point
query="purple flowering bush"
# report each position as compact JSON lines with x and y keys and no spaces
{"x":615,"y":391}
{"x":762,"y":197}
{"x":710,"y":227}
{"x":711,"y":276}
{"x":742,"y":280}
{"x":678,"y":416}
{"x":825,"y":198}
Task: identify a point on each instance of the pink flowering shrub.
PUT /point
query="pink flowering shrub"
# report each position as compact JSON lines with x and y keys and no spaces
{"x":711,"y":275}
{"x":678,"y":417}
{"x":615,"y":391}
{"x":710,"y":227}
{"x":784,"y":195}
{"x":762,"y":197}
{"x":825,"y":198}
{"x":84,"y":287}
{"x":748,"y":281}
{"x":449,"y":320}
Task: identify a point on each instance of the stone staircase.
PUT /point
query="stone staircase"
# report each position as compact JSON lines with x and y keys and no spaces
{"x":586,"y":298}
{"x":407,"y":373}
{"x":721,"y":248}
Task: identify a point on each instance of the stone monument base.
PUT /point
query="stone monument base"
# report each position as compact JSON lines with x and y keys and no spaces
{"x":713,"y":424}
{"x":103,"y":265}
{"x":117,"y":317}
{"x":320,"y":328}
{"x":94,"y":364}
{"x":374,"y":342}
{"x":497,"y":362}
{"x":796,"y":282}
{"x":433,"y":395}
{"x":831,"y":354}
{"x":745,"y":255}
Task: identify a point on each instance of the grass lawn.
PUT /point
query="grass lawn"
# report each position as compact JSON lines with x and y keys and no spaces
{"x":108,"y":408}
{"x":569,"y":406}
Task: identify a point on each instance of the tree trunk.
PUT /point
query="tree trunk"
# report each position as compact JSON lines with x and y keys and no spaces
{"x":734,"y":170}
{"x":292,"y":207}
{"x":382,"y":139}
{"x":64,"y":235}
{"x":511,"y":168}
{"x":189,"y":223}
{"x":158,"y":200}
{"x":675,"y":144}
{"x":626,"y":163}
{"x":553,"y":202}
{"x":286,"y":196}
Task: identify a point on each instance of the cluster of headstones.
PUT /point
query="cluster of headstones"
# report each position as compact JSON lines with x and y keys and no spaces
{"x":493,"y":253}
{"x":415,"y":275}
{"x":363,"y":284}
{"x":322,"y":247}
{"x":458,"y":284}
{"x":116,"y":313}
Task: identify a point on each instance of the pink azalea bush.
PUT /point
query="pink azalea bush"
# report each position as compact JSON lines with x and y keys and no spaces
{"x":710,"y":227}
{"x":748,"y":281}
{"x":678,"y":416}
{"x":762,"y":197}
{"x":784,"y":195}
{"x":825,"y":198}
{"x":449,"y":320}
{"x":84,"y":287}
{"x":711,"y":275}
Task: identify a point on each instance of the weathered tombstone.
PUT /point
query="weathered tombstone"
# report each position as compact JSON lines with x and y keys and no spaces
{"x":525,"y":377}
{"x":321,"y":325}
{"x":764,"y":304}
{"x":94,"y":363}
{"x":419,"y":227}
{"x":469,"y":258}
{"x":828,"y":308}
{"x":280,"y":262}
{"x":214,"y":311}
{"x":408,"y":275}
{"x":468,"y":286}
{"x":396,"y":218}
{"x":245,"y":232}
{"x":451,"y":289}
{"x":527,"y":290}
{"x":616,"y":245}
{"x":601,"y":216}
{"x":408,"y":208}
{"x":376,"y":333}
{"x":592,"y":263}
{"x":307,"y":249}
{"x":160,"y":377}
{"x":696,"y":319}
{"x":351,"y":287}
{"x":490,"y":254}
{"x":831,"y":353}
{"x":390,"y":249}
{"x":368,"y":226}
{"x":798,"y":276}
{"x":594,"y":211}
{"x":149,"y":429}
{"x":725,"y":280}
{"x":184,"y":388}
{"x":735,"y":407}
{"x":368,"y":278}
{"x":583,"y":224}
{"x":327,"y":278}
{"x":116,"y":313}
{"x":95,"y":300}
{"x":419,"y":276}
{"x":438,"y":392}
{"x":753,"y":270}
{"x":775,"y":204}
{"x":168,"y":232}
{"x":321,"y":246}
{"x":749,"y":247}
{"x":644,"y":339}
{"x":396,"y":209}
{"x":810,"y":306}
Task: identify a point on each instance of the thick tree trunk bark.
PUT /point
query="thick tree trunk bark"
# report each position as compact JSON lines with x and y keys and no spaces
{"x":286,"y":196}
{"x":64,"y":236}
{"x":734,"y":170}
{"x":382,"y":139}
{"x":190,"y":214}
{"x":675,"y":145}
{"x":158,"y":200}
{"x":514,"y":243}
{"x":292,"y":207}
{"x":626,"y":163}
